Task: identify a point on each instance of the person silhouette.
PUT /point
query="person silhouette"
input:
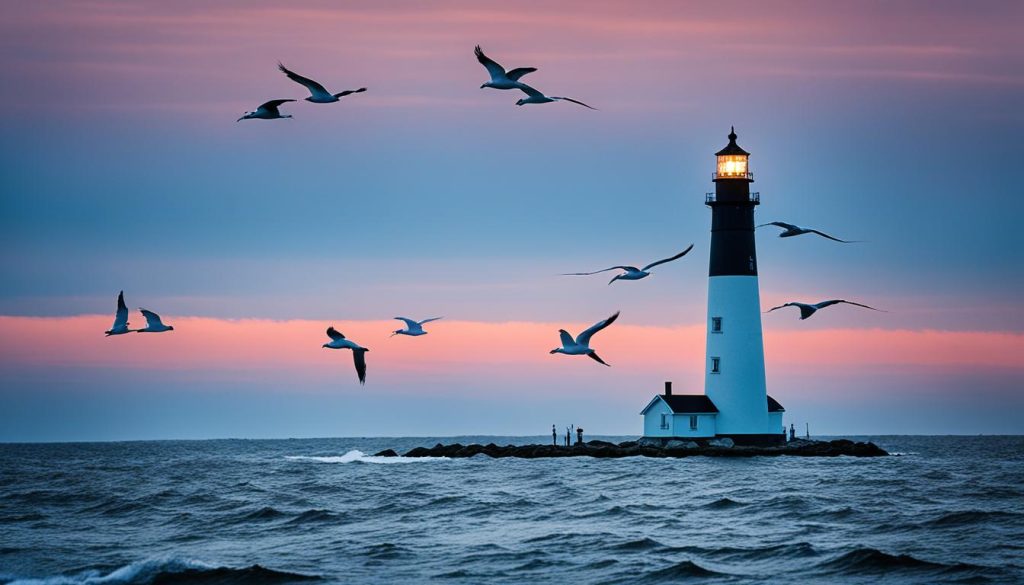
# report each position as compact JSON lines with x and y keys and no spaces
{"x":554,"y":436}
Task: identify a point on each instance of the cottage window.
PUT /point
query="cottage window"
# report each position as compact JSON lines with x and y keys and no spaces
{"x":693,"y":422}
{"x":715,"y":365}
{"x":664,"y":421}
{"x":716,"y":324}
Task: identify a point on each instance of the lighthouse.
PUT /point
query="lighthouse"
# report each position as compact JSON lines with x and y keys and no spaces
{"x":734,"y":361}
{"x":735,"y":403}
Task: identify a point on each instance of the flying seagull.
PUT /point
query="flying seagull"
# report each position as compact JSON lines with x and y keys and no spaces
{"x":789,"y":230}
{"x":807,"y":310}
{"x":319,"y":95}
{"x":266,"y":111}
{"x":153,"y":323}
{"x":500,"y":79}
{"x":338,"y":341}
{"x":536,"y":97}
{"x":413,"y":328}
{"x":632,"y":272}
{"x":120,"y":325}
{"x":581,"y":345}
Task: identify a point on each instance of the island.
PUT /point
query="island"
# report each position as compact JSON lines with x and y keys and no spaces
{"x":650,"y":448}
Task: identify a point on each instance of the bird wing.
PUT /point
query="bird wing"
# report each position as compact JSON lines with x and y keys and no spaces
{"x":780,"y":307}
{"x":584,"y":338}
{"x":152,"y":319}
{"x":430,"y":319}
{"x":598,"y":271}
{"x":334,"y":333}
{"x":833,"y":302}
{"x":359,"y":357}
{"x":497,"y":71}
{"x":530,"y":91}
{"x":518,"y":72}
{"x":596,"y":358}
{"x":566,"y":337}
{"x":781,"y":224}
{"x":272,"y":105}
{"x":349,"y":92}
{"x":409,"y":323}
{"x":824,"y":235}
{"x":121,"y":317}
{"x":676,"y":257}
{"x":573,"y":101}
{"x":313,"y":87}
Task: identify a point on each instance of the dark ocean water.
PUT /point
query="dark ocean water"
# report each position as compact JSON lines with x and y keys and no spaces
{"x":947,"y":510}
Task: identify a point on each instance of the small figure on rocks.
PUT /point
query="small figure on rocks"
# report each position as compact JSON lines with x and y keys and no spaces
{"x":792,"y":432}
{"x":554,"y":437}
{"x":579,"y":435}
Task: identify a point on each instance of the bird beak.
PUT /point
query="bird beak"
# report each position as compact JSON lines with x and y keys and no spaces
{"x":554,"y":350}
{"x":324,"y":345}
{"x":240,"y":119}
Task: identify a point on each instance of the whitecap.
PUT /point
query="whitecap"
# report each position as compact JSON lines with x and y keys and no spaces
{"x":357,"y":456}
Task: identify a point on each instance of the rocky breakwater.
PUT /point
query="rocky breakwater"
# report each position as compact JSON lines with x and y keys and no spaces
{"x":650,"y":448}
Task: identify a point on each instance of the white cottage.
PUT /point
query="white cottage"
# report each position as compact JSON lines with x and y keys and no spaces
{"x":691,"y":416}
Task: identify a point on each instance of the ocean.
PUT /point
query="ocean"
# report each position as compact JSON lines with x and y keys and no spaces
{"x":941,"y":510}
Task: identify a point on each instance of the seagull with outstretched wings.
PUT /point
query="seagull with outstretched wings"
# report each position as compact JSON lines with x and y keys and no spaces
{"x":266,"y":111}
{"x":413,"y":328}
{"x":632,"y":272}
{"x":318,"y":93}
{"x":120,"y":325}
{"x":338,"y":341}
{"x":581,"y":344}
{"x":501,"y":79}
{"x":806,"y":309}
{"x":789,"y":230}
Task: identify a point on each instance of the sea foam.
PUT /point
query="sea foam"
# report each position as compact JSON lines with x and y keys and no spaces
{"x":357,"y":456}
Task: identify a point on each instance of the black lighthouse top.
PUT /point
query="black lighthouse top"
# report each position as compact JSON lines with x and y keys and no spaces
{"x":732,"y":219}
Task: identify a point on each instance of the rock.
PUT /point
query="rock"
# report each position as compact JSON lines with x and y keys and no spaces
{"x":723,"y":442}
{"x":677,"y":444}
{"x":597,"y":443}
{"x":386,"y":453}
{"x":628,"y":444}
{"x":649,"y":442}
{"x":418,"y":452}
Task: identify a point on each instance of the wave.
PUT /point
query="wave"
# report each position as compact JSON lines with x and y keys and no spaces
{"x":869,"y":560}
{"x":723,"y":504}
{"x":357,"y":456}
{"x":171,"y":571}
{"x":968,"y":517}
{"x":678,"y":571}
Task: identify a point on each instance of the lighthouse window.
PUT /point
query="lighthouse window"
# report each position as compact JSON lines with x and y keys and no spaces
{"x":715,"y":363}
{"x":664,"y":421}
{"x":693,"y":422}
{"x":716,"y":324}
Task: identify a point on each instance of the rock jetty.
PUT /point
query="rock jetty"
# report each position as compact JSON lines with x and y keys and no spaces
{"x":650,"y":448}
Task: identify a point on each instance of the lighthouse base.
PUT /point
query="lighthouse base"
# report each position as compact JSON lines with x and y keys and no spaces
{"x":756,"y":440}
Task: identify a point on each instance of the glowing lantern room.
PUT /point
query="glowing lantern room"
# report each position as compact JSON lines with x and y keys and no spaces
{"x":732,"y":161}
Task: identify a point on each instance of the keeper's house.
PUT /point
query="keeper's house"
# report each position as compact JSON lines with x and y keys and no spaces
{"x":691,"y":416}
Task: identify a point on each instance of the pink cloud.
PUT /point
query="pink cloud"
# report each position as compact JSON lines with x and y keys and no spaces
{"x":471,"y":349}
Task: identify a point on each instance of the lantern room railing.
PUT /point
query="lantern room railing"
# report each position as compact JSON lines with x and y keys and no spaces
{"x":747,"y":175}
{"x":754,"y":197}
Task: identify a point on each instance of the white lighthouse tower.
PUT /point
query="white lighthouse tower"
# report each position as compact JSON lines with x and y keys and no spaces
{"x":735,"y":403}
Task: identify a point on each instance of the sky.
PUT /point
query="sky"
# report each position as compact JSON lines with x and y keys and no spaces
{"x":122,"y":167}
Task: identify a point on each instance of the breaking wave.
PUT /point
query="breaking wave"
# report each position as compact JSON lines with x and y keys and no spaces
{"x":171,"y":571}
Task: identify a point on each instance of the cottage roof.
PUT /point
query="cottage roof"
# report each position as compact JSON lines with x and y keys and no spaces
{"x":774,"y":406}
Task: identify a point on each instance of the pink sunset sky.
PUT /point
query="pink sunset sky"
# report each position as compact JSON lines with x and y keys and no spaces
{"x":123,"y":168}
